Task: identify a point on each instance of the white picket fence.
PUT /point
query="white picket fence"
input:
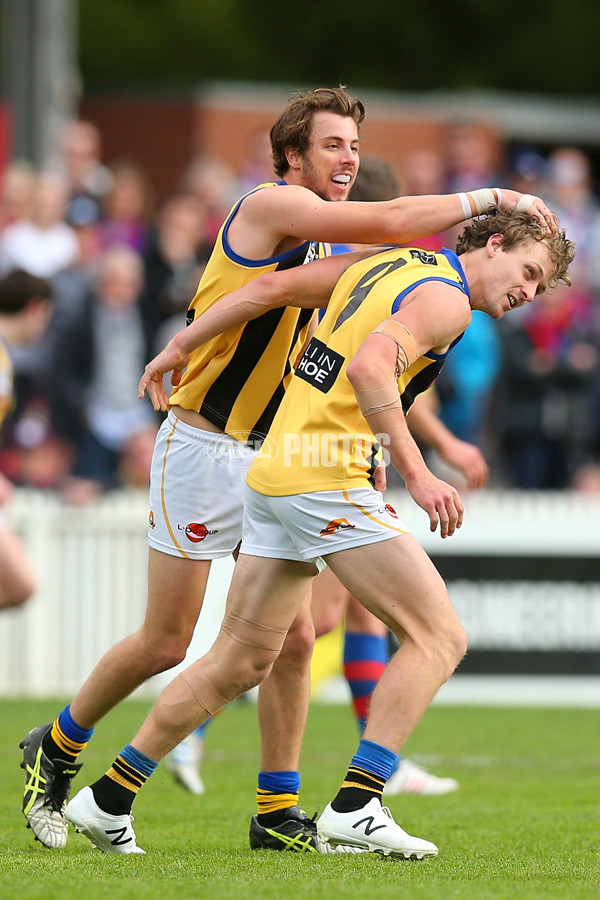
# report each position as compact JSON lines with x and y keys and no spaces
{"x":91,"y":564}
{"x":92,"y":568}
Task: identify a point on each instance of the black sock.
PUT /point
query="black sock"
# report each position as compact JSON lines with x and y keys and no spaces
{"x":112,"y":798}
{"x":273,"y":819}
{"x":53,"y":751}
{"x":349,"y":799}
{"x":358,"y":788}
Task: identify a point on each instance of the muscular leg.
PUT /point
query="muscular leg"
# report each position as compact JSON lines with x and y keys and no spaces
{"x":366,"y":655}
{"x":265,"y":597}
{"x":284,"y":697}
{"x":266,"y":592}
{"x":175,"y":592}
{"x":397,"y":581}
{"x":176,"y":589}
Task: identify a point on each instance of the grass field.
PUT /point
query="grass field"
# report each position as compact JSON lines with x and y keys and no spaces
{"x":525,"y":823}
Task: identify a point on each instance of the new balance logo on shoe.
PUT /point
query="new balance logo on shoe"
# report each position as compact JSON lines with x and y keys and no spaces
{"x":374,"y":830}
{"x":120,"y":832}
{"x":368,"y":829}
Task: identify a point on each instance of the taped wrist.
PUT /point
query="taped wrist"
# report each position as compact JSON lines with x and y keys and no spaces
{"x":524,"y":202}
{"x":475,"y":203}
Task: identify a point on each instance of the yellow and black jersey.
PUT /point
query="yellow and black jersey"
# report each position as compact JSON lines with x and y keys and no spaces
{"x":237,"y":380}
{"x":6,"y":382}
{"x":319,"y":440}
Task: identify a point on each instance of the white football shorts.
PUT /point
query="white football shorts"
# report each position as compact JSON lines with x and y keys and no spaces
{"x":197,"y":481}
{"x":306,"y":527}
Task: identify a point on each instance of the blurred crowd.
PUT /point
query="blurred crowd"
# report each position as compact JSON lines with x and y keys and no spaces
{"x":123,"y":269}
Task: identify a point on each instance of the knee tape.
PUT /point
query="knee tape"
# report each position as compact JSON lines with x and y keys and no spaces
{"x":251,"y":634}
{"x":203,"y":691}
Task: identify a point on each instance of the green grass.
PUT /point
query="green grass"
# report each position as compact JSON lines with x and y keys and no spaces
{"x":523,"y":825}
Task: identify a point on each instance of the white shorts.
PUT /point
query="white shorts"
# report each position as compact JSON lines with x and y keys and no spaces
{"x":197,"y":481}
{"x":306,"y":527}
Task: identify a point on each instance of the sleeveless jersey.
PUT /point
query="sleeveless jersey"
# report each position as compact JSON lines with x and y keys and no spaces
{"x":319,"y":440}
{"x":238,"y":379}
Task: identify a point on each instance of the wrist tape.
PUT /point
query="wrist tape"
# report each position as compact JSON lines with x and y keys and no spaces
{"x":475,"y":203}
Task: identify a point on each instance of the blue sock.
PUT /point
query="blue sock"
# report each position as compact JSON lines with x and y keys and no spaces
{"x":71,"y":729}
{"x":369,"y":769}
{"x":65,"y":739}
{"x":276,"y":793}
{"x":279,"y":782}
{"x":374,"y":758}
{"x":138,"y":760}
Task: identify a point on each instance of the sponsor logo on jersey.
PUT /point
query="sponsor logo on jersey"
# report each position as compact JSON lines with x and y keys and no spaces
{"x":424,"y":257}
{"x":336,"y":525}
{"x":319,"y":365}
{"x":195,"y":532}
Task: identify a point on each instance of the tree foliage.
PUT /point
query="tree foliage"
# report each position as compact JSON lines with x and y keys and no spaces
{"x":543,"y":46}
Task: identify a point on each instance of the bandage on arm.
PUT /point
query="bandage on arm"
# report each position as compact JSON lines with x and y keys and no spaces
{"x":387,"y":396}
{"x":475,"y":203}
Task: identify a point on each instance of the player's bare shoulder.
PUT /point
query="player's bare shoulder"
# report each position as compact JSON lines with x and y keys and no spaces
{"x":263,"y":225}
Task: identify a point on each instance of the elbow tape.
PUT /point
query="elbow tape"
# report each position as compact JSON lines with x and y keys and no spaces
{"x":405,"y":343}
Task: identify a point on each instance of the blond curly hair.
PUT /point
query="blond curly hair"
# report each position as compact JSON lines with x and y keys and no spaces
{"x":518,"y":228}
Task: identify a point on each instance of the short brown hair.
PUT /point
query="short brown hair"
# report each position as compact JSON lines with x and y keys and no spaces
{"x":18,"y":287}
{"x":375,"y":180}
{"x":518,"y":228}
{"x":293,"y":127}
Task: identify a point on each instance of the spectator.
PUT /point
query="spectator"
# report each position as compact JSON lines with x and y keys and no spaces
{"x":465,"y":386}
{"x":127,"y":208}
{"x":471,"y":156}
{"x":44,"y":246}
{"x":424,"y":172}
{"x":25,"y":303}
{"x":87,"y":177}
{"x":258,"y":165}
{"x":215,"y":184}
{"x":17,"y":187}
{"x":41,"y":243}
{"x":99,"y":353}
{"x":528,"y":171}
{"x":571,"y":190}
{"x":173,"y":263}
{"x":551,"y":363}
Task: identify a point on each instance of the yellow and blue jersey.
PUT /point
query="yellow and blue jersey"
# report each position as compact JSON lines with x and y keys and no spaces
{"x":319,"y":439}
